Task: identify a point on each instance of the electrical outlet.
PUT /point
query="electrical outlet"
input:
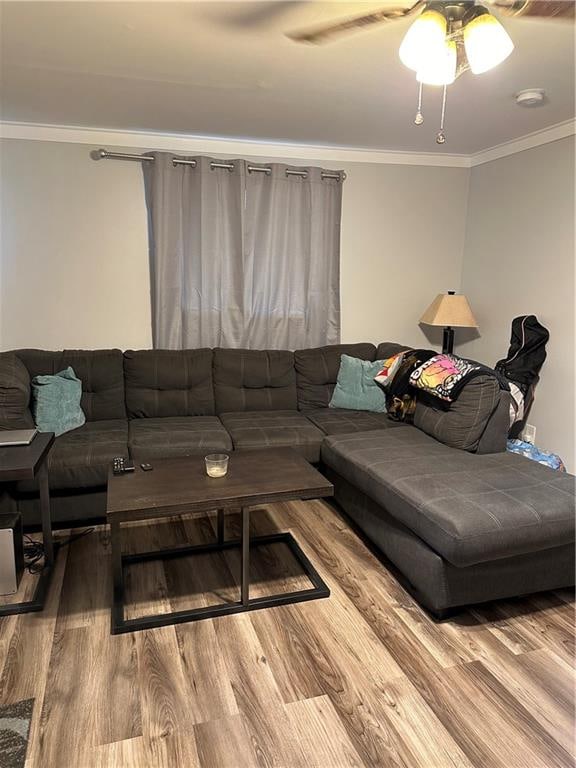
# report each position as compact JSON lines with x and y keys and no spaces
{"x":529,"y":434}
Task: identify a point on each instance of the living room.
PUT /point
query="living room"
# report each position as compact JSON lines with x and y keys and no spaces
{"x":275,"y":297}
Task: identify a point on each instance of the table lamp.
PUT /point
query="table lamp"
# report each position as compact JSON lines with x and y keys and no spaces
{"x":450,"y":311}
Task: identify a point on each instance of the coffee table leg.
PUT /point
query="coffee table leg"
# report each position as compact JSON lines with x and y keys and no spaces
{"x":117,"y":575}
{"x":245,"y":555}
{"x":45,"y":513}
{"x":220,"y":525}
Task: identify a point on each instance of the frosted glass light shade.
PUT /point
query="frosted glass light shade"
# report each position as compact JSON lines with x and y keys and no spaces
{"x":424,"y":38}
{"x":449,"y":310}
{"x":440,"y":68}
{"x":487,"y":43}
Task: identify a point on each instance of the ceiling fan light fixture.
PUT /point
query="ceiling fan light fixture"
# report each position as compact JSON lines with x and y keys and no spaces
{"x":425,"y":38}
{"x":440,"y":69}
{"x":486,"y":41}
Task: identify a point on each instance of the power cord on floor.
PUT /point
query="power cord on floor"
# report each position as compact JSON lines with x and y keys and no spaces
{"x":34,"y":550}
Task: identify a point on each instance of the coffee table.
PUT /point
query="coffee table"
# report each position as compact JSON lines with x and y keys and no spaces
{"x":177,"y":486}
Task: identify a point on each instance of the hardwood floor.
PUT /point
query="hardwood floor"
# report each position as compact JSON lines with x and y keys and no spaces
{"x":363,"y":678}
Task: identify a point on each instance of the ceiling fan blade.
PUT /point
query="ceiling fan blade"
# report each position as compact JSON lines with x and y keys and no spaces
{"x":542,"y":9}
{"x":323,"y":34}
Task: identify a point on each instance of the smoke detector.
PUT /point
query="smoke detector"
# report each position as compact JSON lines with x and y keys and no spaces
{"x":531,"y":97}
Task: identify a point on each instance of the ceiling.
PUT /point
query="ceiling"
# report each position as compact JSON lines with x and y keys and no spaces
{"x":226,"y":69}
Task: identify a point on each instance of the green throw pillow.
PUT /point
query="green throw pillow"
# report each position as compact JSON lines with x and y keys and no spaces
{"x":356,"y":389}
{"x":56,"y":402}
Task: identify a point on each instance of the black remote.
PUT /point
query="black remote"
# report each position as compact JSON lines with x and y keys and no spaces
{"x":120,"y":465}
{"x":146,"y":467}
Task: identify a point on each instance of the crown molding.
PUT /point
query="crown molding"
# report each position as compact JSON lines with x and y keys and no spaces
{"x":179,"y":142}
{"x":531,"y":140}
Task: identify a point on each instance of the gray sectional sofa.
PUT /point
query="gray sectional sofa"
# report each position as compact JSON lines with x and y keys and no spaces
{"x":461,"y":520}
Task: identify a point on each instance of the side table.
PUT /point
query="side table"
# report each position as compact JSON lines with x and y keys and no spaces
{"x":28,"y":462}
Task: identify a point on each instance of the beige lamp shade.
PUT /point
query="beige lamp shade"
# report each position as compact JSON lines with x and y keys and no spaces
{"x":449,"y":310}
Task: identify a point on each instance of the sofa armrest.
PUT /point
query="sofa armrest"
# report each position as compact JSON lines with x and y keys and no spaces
{"x":495,"y":435}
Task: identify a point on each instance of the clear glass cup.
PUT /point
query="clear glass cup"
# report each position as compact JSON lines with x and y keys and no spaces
{"x":216,"y":464}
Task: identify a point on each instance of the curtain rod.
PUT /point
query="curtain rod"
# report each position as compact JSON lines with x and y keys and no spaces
{"x":104,"y":154}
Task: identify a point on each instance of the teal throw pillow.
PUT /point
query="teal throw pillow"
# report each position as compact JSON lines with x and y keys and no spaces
{"x":56,"y":402}
{"x":356,"y":389}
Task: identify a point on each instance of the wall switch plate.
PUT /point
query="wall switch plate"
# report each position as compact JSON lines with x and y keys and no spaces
{"x":528,"y":434}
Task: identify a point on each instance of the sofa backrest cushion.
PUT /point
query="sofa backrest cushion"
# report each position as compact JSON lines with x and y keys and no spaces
{"x":463,"y":425}
{"x":100,"y":371}
{"x":14,"y":393}
{"x":388,"y":348}
{"x":494,"y":439}
{"x":254,"y":380}
{"x":164,"y":382}
{"x":317,"y":371}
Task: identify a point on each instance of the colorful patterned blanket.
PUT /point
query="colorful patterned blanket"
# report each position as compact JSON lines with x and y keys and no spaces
{"x":425,"y":375}
{"x":444,"y":375}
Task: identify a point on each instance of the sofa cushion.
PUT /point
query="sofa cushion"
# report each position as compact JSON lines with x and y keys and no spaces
{"x":14,"y":393}
{"x":317,"y":371}
{"x":338,"y":421}
{"x":356,"y":388}
{"x":163,"y":382}
{"x":462,"y":425}
{"x":81,"y":458}
{"x":254,"y":380}
{"x":388,"y":348}
{"x":176,"y":436}
{"x":468,"y":508}
{"x":100,"y":371}
{"x":274,"y":429}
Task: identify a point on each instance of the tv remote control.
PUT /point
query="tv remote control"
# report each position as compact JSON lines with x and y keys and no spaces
{"x":120,"y":465}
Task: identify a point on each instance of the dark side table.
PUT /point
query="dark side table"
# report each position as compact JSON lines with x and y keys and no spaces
{"x":28,"y":462}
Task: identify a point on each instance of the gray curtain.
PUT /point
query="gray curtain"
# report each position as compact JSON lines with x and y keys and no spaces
{"x":240,"y":258}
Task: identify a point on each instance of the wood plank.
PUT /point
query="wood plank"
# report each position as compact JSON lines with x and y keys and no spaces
{"x":205,"y":669}
{"x":428,"y":740}
{"x":176,"y":748}
{"x":146,"y":588}
{"x":227,"y":743}
{"x":321,"y":735}
{"x":64,"y":733}
{"x":510,"y":633}
{"x":524,"y":626}
{"x":489,"y":724}
{"x":30,"y":646}
{"x":85,"y":597}
{"x":166,"y":691}
{"x":543,"y":686}
{"x":117,"y":681}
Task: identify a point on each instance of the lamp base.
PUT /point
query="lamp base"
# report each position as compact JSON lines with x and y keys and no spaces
{"x":448,"y":341}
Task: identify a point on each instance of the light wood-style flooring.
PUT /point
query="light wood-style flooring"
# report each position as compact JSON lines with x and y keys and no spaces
{"x":363,"y":678}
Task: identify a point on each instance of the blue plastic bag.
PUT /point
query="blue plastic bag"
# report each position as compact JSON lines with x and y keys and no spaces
{"x":530,"y":451}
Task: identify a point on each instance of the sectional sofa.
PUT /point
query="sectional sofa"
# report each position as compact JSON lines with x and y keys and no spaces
{"x":462,"y":520}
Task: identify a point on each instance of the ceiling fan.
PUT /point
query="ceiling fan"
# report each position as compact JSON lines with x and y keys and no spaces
{"x":447,"y":38}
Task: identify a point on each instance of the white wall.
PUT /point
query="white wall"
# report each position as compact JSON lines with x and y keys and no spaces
{"x":519,"y":259}
{"x":74,"y":250}
{"x":75,"y":259}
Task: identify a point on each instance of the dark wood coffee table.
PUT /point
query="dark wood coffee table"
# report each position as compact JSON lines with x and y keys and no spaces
{"x":177,"y":486}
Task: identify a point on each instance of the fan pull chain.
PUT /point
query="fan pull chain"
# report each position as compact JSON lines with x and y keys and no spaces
{"x":441,"y":136}
{"x":419,"y":119}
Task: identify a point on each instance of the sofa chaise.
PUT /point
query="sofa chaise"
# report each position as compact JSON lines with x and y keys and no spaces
{"x":462,"y":520}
